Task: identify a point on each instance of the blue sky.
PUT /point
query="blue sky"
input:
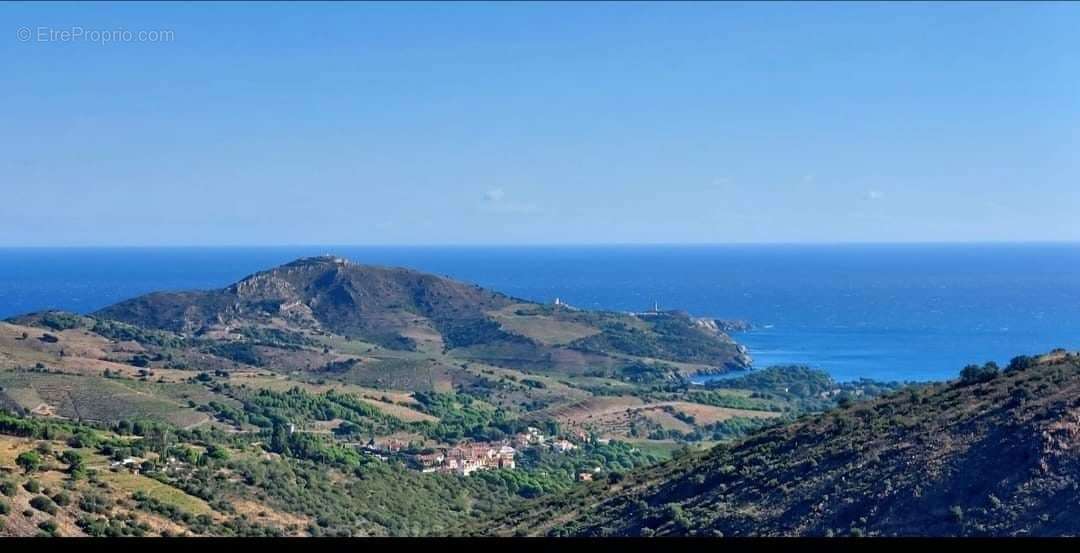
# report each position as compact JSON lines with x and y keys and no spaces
{"x":540,"y":124}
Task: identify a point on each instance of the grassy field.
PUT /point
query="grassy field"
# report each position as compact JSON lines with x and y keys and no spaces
{"x":10,"y":448}
{"x":708,"y":414}
{"x":131,"y":483}
{"x":543,"y":328}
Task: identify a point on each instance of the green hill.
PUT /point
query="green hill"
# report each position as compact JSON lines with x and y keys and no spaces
{"x":992,"y":454}
{"x":404,"y":310}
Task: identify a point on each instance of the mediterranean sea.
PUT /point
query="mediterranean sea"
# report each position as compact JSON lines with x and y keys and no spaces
{"x":886,"y":311}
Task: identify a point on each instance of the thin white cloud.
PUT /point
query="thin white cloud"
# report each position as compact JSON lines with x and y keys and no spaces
{"x":874,"y":195}
{"x":496,"y":201}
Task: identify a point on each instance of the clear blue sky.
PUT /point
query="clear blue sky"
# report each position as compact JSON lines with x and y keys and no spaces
{"x":541,"y":123}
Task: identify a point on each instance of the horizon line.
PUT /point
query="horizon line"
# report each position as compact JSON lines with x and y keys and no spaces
{"x":545,"y":244}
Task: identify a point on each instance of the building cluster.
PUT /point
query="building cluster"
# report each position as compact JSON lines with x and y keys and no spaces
{"x":468,"y":458}
{"x":465,"y":459}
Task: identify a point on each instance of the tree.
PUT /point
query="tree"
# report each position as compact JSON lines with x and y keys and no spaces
{"x":1021,"y":362}
{"x":72,"y":457}
{"x":844,"y":400}
{"x":29,"y":461}
{"x":973,"y":374}
{"x":217,"y":452}
{"x":83,"y":439}
{"x":76,"y":463}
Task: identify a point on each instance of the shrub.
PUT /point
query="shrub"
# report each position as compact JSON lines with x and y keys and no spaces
{"x":4,"y":508}
{"x":72,"y":458}
{"x":29,"y":461}
{"x":8,"y":488}
{"x":217,"y":452}
{"x":62,"y":499}
{"x":43,"y":504}
{"x":94,"y":504}
{"x":32,"y":486}
{"x":82,"y":439}
{"x":973,"y":374}
{"x":49,"y":526}
{"x":1020,"y":363}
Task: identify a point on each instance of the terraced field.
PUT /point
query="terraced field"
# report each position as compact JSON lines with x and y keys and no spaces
{"x":93,"y":398}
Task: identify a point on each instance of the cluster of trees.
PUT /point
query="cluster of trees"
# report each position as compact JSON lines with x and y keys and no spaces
{"x":642,"y":372}
{"x":670,"y":336}
{"x":974,"y":374}
{"x":465,"y":332}
{"x":460,"y":416}
{"x":240,"y":352}
{"x":114,"y":330}
{"x":15,"y":425}
{"x":802,"y":389}
{"x":267,"y":409}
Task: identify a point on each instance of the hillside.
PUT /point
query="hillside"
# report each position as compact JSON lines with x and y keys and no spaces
{"x":252,"y":410}
{"x":405,"y":310}
{"x":992,"y":455}
{"x":326,"y":323}
{"x":328,"y":398}
{"x":378,"y":304}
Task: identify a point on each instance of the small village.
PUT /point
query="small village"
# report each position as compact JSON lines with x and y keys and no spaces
{"x":465,"y":458}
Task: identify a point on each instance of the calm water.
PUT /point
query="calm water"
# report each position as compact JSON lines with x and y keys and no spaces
{"x":893,"y":312}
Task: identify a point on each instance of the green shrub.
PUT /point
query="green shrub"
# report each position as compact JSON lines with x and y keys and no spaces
{"x":1020,"y":362}
{"x":29,"y":461}
{"x":43,"y":504}
{"x":974,"y":374}
{"x":49,"y":526}
{"x":94,"y":504}
{"x":62,"y":499}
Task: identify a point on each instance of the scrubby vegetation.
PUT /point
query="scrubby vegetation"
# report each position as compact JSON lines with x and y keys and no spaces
{"x":670,"y":336}
{"x":229,"y":413}
{"x":966,"y":458}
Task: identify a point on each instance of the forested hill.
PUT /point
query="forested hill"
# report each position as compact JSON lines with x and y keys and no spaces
{"x":989,"y":454}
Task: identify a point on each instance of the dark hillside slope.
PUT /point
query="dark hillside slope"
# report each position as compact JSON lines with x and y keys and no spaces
{"x":1000,"y":457}
{"x":406,"y":310}
{"x":376,"y":303}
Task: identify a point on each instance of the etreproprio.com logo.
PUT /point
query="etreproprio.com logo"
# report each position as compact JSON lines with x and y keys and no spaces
{"x":95,"y":36}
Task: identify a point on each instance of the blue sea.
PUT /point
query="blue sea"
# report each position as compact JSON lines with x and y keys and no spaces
{"x":888,"y":312}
